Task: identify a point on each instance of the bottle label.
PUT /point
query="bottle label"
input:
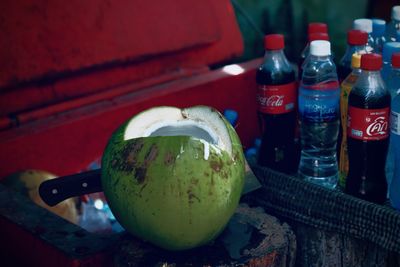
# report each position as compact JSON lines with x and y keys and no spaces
{"x":346,"y":87}
{"x":277,"y":99}
{"x":368,"y":124}
{"x":319,"y":104}
{"x":395,"y":123}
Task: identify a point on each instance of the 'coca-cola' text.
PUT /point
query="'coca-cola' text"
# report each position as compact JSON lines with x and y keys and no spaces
{"x":277,"y":99}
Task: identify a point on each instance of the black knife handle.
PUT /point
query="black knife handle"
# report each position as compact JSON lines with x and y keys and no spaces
{"x":56,"y":190}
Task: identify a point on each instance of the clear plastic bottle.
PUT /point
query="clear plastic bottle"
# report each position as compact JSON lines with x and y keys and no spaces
{"x":366,"y":26}
{"x":356,"y":43}
{"x":345,"y":89}
{"x":393,"y":159}
{"x":394,"y":25}
{"x":313,"y":31}
{"x":389,"y":48}
{"x":394,"y":192}
{"x":306,"y":51}
{"x":378,"y":33}
{"x":368,"y":132}
{"x":319,"y":117}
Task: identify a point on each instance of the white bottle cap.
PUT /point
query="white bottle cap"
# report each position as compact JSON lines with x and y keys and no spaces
{"x":396,"y":12}
{"x":363,"y":25}
{"x":320,"y":48}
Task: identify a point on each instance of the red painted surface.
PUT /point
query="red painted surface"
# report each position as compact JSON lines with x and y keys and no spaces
{"x":72,"y":72}
{"x":66,"y":143}
{"x":70,"y":50}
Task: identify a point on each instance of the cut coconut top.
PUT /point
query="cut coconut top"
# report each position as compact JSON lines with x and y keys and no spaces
{"x":199,"y":122}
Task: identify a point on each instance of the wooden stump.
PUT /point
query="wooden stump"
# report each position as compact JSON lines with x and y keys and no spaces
{"x":317,"y":247}
{"x":252,"y":238}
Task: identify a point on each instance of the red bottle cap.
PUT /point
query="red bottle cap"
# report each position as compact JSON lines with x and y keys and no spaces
{"x":318,"y":36}
{"x":357,"y":37}
{"x":274,"y":42}
{"x":396,"y":60}
{"x":314,"y":27}
{"x":371,"y":61}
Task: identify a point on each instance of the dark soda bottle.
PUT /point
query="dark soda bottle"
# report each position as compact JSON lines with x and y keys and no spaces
{"x":368,"y":132}
{"x":356,"y":43}
{"x":276,"y":99}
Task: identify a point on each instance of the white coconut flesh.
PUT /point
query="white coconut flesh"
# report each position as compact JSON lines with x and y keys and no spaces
{"x":200,"y":122}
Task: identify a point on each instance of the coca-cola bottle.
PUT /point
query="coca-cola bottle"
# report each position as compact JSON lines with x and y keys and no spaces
{"x":276,"y":97}
{"x":368,"y":132}
{"x":356,"y":43}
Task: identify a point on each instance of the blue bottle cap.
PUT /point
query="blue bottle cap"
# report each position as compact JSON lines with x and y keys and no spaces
{"x":251,"y":152}
{"x":257,"y":142}
{"x":388,"y":49}
{"x":231,"y":115}
{"x":378,"y":27}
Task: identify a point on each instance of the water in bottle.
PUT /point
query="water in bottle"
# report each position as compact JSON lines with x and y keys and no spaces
{"x":378,"y":34}
{"x":394,"y":25}
{"x":389,"y":48}
{"x":319,"y":117}
{"x":366,"y":26}
{"x":393,"y":84}
{"x":368,"y":132}
{"x":394,"y":192}
{"x":276,"y":98}
{"x":306,"y":51}
{"x":315,"y":31}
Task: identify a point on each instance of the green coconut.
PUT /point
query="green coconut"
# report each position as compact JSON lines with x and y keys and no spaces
{"x":174,"y":176}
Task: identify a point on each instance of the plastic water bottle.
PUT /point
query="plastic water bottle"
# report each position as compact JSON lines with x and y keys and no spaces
{"x":389,"y":49}
{"x":304,"y":57}
{"x":378,"y":33}
{"x":394,"y":191}
{"x":319,"y":95}
{"x":313,"y":32}
{"x":365,"y":25}
{"x":394,"y":25}
{"x":393,"y":160}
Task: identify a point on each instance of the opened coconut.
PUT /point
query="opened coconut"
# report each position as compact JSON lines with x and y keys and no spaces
{"x":174,"y":176}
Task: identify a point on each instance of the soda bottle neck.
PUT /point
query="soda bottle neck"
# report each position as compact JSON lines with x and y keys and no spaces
{"x":274,"y":55}
{"x":356,"y":71}
{"x":276,"y":59}
{"x":371,"y":80}
{"x":351,"y":49}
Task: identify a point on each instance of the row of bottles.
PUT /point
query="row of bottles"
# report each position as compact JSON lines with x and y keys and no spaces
{"x":342,"y":112}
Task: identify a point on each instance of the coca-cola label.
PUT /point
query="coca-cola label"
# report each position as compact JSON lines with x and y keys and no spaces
{"x":368,"y":124}
{"x":395,"y":123}
{"x":277,"y":99}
